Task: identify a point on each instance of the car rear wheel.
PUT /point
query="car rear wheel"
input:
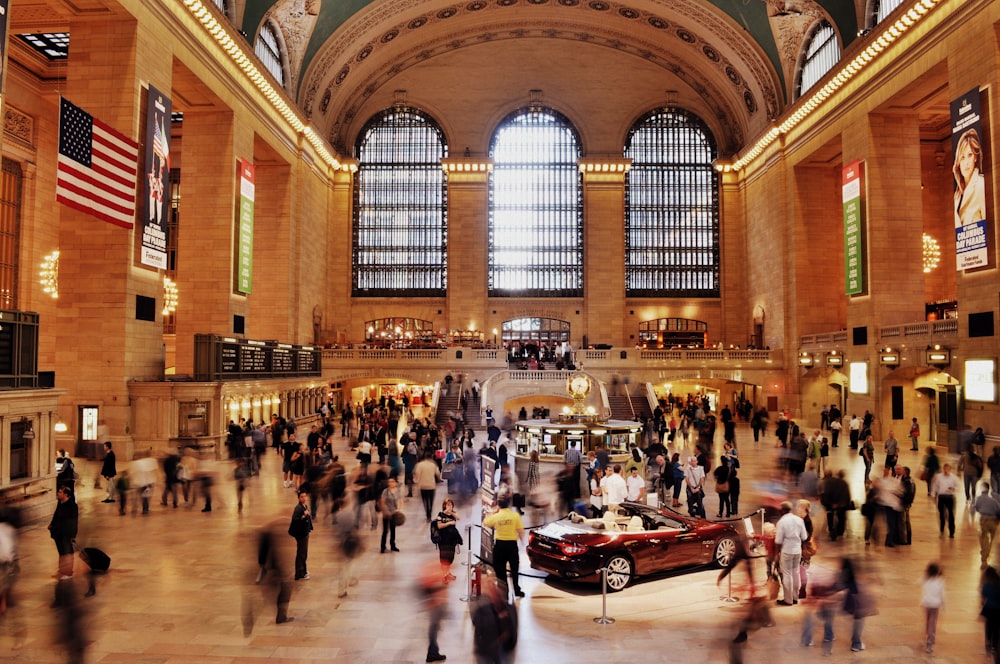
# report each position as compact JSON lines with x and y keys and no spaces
{"x":725,"y":552}
{"x":619,"y":573}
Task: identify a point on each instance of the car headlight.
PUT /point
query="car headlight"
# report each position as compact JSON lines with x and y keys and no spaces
{"x":570,"y":549}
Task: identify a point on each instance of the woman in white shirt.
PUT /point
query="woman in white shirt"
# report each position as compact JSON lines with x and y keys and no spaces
{"x":596,"y":494}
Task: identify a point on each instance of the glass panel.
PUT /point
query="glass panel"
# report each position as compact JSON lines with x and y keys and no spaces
{"x":10,"y":231}
{"x":671,"y":208}
{"x":536,"y":211}
{"x":400,"y":223}
{"x":269,"y":53}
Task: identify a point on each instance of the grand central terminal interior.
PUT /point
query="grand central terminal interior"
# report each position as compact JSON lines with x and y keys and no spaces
{"x":218,"y":210}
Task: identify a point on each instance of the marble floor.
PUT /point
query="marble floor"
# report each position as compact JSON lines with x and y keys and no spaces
{"x":181,"y":580}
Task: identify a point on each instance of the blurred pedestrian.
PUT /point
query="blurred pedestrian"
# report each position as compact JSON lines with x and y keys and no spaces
{"x":932,"y":600}
{"x":433,"y":595}
{"x":858,"y":602}
{"x":10,"y":521}
{"x":990,"y":594}
{"x":494,"y":628}
{"x":108,"y":471}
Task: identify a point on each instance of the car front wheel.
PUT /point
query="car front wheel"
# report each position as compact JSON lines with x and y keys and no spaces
{"x":725,"y":552}
{"x":619,"y":573}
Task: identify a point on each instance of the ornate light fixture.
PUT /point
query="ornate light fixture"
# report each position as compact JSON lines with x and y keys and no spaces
{"x":169,"y":295}
{"x":50,"y":274}
{"x":932,"y":253}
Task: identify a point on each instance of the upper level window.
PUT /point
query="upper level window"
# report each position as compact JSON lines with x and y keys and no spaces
{"x":821,"y":53}
{"x":671,"y":208}
{"x":268,"y":50}
{"x":11,"y":187}
{"x":536,"y":212}
{"x":400,"y":207}
{"x":882,"y":9}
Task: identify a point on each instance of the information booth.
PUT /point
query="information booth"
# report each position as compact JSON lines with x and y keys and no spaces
{"x":551,"y":439}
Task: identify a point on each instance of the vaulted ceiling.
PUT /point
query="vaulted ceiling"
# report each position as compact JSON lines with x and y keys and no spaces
{"x":732,"y":61}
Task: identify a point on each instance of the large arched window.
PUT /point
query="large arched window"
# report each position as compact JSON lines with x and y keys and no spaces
{"x":671,"y":208}
{"x":400,"y":207}
{"x":821,"y":53}
{"x":268,"y":49}
{"x":536,"y":212}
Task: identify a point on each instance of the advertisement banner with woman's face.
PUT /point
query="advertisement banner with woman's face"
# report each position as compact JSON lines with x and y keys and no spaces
{"x":971,"y":229}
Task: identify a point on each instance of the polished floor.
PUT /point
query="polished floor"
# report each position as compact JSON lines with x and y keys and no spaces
{"x":181,"y":582}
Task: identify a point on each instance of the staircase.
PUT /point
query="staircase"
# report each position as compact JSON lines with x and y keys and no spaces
{"x":628,"y":408}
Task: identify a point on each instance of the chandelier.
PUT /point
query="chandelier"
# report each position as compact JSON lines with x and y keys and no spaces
{"x":50,"y":274}
{"x":932,"y":253}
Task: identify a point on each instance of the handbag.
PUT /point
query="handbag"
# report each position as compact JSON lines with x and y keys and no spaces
{"x":809,"y":548}
{"x":398,"y":518}
{"x":722,"y":487}
{"x":448,"y":471}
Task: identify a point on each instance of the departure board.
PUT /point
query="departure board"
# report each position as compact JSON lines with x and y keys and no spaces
{"x":220,"y":358}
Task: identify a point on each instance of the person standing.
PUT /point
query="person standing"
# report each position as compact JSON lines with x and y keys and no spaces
{"x":835,"y":498}
{"x":891,"y":453}
{"x":790,"y":533}
{"x":993,"y":463}
{"x":855,"y":429}
{"x":868,"y":455}
{"x":694,"y":482}
{"x":943,"y":489}
{"x":835,"y":427}
{"x":63,"y":528}
{"x":451,"y":538}
{"x":988,"y":509}
{"x":507,"y":532}
{"x":932,"y":600}
{"x":614,"y":489}
{"x":108,"y":472}
{"x":914,"y":435}
{"x":426,"y":476}
{"x":388,"y":506}
{"x":572,"y":458}
{"x":299,"y":528}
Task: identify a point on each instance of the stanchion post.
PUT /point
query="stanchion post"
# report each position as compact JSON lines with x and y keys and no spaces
{"x":728,"y":597}
{"x":468,"y":576}
{"x":603,"y":619}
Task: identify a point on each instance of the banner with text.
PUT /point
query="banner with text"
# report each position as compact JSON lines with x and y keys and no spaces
{"x":853,"y":187}
{"x":156,"y":184}
{"x":971,"y":227}
{"x":244,"y":252}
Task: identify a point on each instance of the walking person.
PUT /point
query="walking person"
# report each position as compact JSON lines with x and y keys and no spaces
{"x":790,"y":533}
{"x":943,"y":489}
{"x":427,"y":475}
{"x":988,"y":509}
{"x":508,"y":531}
{"x":434,"y":599}
{"x":299,"y":528}
{"x":932,"y":600}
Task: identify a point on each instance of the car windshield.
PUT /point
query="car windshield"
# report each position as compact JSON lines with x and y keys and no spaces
{"x":654,"y":519}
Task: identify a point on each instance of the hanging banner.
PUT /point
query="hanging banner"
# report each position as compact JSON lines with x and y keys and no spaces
{"x":971,"y":227}
{"x":244,"y":250}
{"x":853,"y":184}
{"x":156,"y":199}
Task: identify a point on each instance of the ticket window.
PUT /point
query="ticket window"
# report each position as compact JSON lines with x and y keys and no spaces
{"x":548,"y":445}
{"x":579,"y":443}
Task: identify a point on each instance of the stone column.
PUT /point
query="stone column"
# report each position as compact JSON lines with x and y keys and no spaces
{"x":604,"y":252}
{"x":468,"y":243}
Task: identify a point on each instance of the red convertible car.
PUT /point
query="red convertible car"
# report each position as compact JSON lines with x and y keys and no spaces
{"x":638,"y":541}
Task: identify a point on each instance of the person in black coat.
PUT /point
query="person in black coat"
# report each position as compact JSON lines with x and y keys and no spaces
{"x":63,"y":527}
{"x":108,"y":472}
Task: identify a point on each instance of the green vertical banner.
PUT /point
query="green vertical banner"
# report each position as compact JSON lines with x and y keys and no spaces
{"x":244,"y":251}
{"x":854,"y":246}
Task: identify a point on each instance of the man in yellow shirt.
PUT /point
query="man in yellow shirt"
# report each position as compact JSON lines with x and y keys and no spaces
{"x":507,"y":531}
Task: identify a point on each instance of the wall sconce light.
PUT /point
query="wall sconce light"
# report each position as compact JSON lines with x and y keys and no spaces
{"x":50,"y":274}
{"x":28,"y":431}
{"x":60,"y":427}
{"x":834,"y":359}
{"x":169,"y":296}
{"x":888,"y":357}
{"x":805,"y":359}
{"x":938,"y":356}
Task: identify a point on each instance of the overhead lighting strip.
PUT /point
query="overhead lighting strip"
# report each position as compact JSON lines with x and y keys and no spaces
{"x":221,"y":36}
{"x":904,"y":23}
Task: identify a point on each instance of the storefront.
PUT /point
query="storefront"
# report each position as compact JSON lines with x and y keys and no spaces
{"x":551,"y":439}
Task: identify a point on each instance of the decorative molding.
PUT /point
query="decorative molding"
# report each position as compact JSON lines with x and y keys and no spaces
{"x":18,"y":126}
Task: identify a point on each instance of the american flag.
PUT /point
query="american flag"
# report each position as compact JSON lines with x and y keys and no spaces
{"x":97,"y":167}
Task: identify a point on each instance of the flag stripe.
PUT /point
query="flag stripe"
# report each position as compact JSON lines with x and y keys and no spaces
{"x":97,"y":167}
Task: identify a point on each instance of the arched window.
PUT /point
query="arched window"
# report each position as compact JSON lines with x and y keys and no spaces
{"x":822,"y":52}
{"x":400,"y":207}
{"x":536,"y":211}
{"x":268,"y":50}
{"x":671,"y":208}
